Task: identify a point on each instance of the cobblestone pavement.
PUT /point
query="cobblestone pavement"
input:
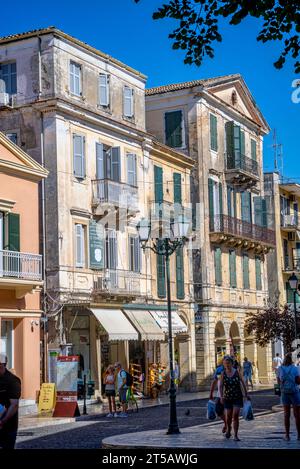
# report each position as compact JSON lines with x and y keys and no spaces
{"x":90,"y":433}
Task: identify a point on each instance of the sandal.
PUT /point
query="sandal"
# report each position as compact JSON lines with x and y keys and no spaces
{"x":228,"y":435}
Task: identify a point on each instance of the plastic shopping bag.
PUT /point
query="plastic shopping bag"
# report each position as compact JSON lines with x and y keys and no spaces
{"x":211,"y":410}
{"x":248,"y":411}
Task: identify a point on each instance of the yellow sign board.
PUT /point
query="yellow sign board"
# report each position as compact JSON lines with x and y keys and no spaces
{"x":47,"y":398}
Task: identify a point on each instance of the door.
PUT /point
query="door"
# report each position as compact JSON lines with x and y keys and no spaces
{"x":7,"y":343}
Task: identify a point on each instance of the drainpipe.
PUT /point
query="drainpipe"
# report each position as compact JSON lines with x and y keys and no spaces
{"x":45,"y":335}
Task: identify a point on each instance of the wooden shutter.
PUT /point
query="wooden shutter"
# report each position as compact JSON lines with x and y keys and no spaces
{"x":246,"y":281}
{"x":253,"y":150}
{"x":79,"y":156}
{"x":211,"y":201}
{"x":128,"y":101}
{"x":229,"y":131}
{"x":177,"y":188}
{"x":246,"y":206}
{"x":134,"y":254}
{"x":103,"y":89}
{"x":218,"y":266}
{"x":115,"y":164}
{"x":13,"y":231}
{"x":96,"y":245}
{"x":131,"y":169}
{"x":79,"y":235}
{"x":173,"y":129}
{"x":158,"y":185}
{"x":232,"y":268}
{"x":179,"y":274}
{"x":243,"y":148}
{"x":260,"y":211}
{"x":111,"y":250}
{"x":99,"y":161}
{"x":258,"y":273}
{"x":161,"y":281}
{"x":213,"y":133}
{"x":221,"y":198}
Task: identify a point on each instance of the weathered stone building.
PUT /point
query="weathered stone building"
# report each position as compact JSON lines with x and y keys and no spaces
{"x":81,"y":113}
{"x":218,"y":124}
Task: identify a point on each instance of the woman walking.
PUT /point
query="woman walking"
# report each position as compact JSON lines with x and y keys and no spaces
{"x":231,"y":395}
{"x":110,"y":390}
{"x":288,"y":378}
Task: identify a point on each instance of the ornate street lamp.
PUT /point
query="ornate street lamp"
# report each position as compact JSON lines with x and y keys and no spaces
{"x":293,"y":282}
{"x":166,"y":246}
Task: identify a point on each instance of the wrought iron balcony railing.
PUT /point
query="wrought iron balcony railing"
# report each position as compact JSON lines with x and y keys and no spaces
{"x":117,"y":282}
{"x":20,"y":265}
{"x":289,"y":221}
{"x":241,"y":162}
{"x":242,"y":229}
{"x":119,"y":194}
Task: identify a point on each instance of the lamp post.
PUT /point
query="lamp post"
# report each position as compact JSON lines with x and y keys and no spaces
{"x":293,"y":282}
{"x":166,"y":246}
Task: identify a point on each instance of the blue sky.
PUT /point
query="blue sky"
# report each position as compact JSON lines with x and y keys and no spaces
{"x":126,"y":31}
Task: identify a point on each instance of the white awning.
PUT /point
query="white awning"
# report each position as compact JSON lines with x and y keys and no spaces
{"x":161,"y":317}
{"x":145,"y":324}
{"x":115,"y":323}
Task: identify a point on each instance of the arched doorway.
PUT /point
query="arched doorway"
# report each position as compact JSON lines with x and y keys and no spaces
{"x":250,"y":351}
{"x":234,"y":334}
{"x":220,"y":342}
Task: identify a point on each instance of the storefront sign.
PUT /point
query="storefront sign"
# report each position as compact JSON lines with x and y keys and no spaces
{"x":47,"y":398}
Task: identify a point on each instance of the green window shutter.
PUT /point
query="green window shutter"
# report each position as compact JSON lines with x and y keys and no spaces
{"x":253,"y":150}
{"x":233,"y":145}
{"x":218,"y":266}
{"x":96,"y":244}
{"x":161,"y":281}
{"x":246,"y":281}
{"x":264,"y":212}
{"x":246,"y":206}
{"x":173,"y":129}
{"x":179,"y":274}
{"x":213,"y":132}
{"x":229,"y":126}
{"x":243,"y":148}
{"x":211,"y":200}
{"x":177,"y":188}
{"x":158,"y":184}
{"x":258,"y":273}
{"x":229,"y":201}
{"x":221,"y":198}
{"x":232,"y":268}
{"x":13,"y":231}
{"x":260,"y":211}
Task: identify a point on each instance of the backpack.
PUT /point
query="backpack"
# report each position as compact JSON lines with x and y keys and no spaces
{"x":129,"y":379}
{"x":288,"y":384}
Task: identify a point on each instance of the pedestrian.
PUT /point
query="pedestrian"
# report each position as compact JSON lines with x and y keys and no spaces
{"x":122,"y":388}
{"x":10,"y":393}
{"x":219,"y":406}
{"x":232,"y":387}
{"x":288,"y":378}
{"x":247,"y":372}
{"x":110,"y":390}
{"x":277,"y":362}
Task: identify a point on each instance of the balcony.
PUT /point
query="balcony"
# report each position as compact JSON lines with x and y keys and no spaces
{"x":291,"y":264}
{"x":20,"y":271}
{"x":117,"y":283}
{"x":235,"y":232}
{"x":241,"y":170}
{"x":113,"y":195}
{"x":289,"y":223}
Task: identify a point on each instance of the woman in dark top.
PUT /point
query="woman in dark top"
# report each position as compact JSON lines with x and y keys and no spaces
{"x":232,"y":396}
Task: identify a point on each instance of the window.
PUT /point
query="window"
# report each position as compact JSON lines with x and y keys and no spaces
{"x":246,"y":206}
{"x":104,"y":89}
{"x":215,"y":198}
{"x":13,"y":137}
{"x":8,"y":78}
{"x":131,"y":169}
{"x":108,"y":162}
{"x":7,"y":346}
{"x":246,"y":282}
{"x":75,"y":78}
{"x":79,"y":156}
{"x":134,"y":254}
{"x":111,"y":252}
{"x":218,"y":266}
{"x":258,"y":273}
{"x":79,"y":245}
{"x":234,"y":145}
{"x":213,"y":133}
{"x":128,"y":102}
{"x":179,"y":274}
{"x":174,"y":129}
{"x":232,"y":268}
{"x":253,"y":150}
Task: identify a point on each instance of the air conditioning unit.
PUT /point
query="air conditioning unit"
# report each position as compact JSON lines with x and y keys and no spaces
{"x":291,"y":236}
{"x":4,"y":99}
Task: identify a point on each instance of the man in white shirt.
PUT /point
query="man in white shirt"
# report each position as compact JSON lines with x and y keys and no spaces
{"x":277,"y":362}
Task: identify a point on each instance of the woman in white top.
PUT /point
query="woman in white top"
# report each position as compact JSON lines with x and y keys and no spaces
{"x":110,"y":390}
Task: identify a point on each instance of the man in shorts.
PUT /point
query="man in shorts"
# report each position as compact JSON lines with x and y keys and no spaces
{"x":122,"y":388}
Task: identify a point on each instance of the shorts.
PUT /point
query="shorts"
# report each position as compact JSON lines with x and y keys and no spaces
{"x":248,"y":376}
{"x":110,"y":393}
{"x":122,"y":395}
{"x":229,"y":404}
{"x":219,"y":408}
{"x":290,"y":399}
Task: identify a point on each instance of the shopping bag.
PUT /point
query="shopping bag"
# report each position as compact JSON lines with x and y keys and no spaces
{"x":248,"y":411}
{"x":211,"y":410}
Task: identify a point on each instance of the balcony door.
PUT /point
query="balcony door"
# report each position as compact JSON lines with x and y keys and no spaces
{"x":7,"y":343}
{"x":215,"y":197}
{"x":111,"y":258}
